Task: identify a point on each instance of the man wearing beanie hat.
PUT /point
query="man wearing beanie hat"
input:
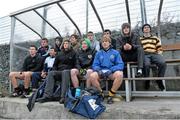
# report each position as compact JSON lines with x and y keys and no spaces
{"x":153,"y":54}
{"x":146,"y":25}
{"x":130,"y":48}
{"x":84,"y":58}
{"x":107,"y":64}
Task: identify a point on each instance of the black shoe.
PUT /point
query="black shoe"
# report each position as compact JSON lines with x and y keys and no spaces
{"x":138,"y":75}
{"x":61,"y":101}
{"x":110,"y":100}
{"x":43,"y":99}
{"x":25,"y":95}
{"x":161,"y":87}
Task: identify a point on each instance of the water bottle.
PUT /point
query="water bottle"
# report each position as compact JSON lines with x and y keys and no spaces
{"x":78,"y":92}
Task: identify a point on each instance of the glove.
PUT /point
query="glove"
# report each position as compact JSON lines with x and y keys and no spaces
{"x":100,"y":73}
{"x":104,"y":74}
{"x":82,"y":71}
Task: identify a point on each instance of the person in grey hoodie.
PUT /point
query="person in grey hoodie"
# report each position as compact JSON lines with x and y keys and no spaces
{"x":129,"y":46}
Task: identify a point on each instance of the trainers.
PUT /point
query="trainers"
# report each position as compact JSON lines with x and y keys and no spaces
{"x":139,"y":75}
{"x":161,"y":87}
{"x":110,"y":100}
{"x":25,"y":95}
{"x":14,"y":94}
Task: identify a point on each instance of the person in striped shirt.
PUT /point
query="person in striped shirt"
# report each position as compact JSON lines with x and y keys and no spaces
{"x":152,"y":55}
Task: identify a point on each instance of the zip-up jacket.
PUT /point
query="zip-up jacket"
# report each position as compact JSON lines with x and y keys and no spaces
{"x":65,"y":60}
{"x":33,"y":64}
{"x":133,"y":40}
{"x":109,"y":59}
{"x":84,"y":58}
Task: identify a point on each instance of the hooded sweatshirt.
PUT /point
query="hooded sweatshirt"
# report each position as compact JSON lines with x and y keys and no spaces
{"x":131,"y":39}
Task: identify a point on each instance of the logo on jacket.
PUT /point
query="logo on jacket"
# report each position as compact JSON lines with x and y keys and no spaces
{"x":89,"y":56}
{"x":112,"y":57}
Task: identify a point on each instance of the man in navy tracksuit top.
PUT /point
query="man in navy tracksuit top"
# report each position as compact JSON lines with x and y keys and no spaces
{"x":107,"y":63}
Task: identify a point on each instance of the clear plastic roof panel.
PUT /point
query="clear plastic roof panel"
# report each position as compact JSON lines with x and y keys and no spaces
{"x":111,"y":12}
{"x":58,"y":18}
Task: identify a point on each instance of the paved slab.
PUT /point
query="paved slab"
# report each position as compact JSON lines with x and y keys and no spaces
{"x":139,"y":108}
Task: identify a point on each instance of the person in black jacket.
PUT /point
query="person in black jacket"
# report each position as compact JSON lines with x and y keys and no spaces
{"x":32,"y":63}
{"x":64,"y":61}
{"x":84,"y":58}
{"x":129,"y":46}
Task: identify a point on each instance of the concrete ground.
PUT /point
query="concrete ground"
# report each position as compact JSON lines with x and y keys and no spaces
{"x":138,"y":108}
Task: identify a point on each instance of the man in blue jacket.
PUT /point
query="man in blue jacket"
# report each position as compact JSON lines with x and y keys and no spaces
{"x":107,"y":64}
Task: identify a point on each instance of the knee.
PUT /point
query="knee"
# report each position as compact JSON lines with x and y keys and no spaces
{"x":162,"y":64}
{"x":118,"y":75}
{"x":12,"y":74}
{"x":27,"y":74}
{"x":89,"y":71}
{"x":94,"y":75}
{"x":74,"y":71}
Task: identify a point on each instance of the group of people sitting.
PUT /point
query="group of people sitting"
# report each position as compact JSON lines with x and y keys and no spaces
{"x":71,"y":58}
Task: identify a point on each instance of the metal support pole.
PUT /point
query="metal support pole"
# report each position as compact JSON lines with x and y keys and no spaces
{"x":159,"y":18}
{"x":13,"y":22}
{"x":87,"y":15}
{"x":127,"y":10}
{"x":143,"y":12}
{"x":128,"y":84}
{"x":43,"y":27}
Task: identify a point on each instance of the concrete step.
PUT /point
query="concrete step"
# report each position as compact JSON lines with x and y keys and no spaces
{"x":139,"y":108}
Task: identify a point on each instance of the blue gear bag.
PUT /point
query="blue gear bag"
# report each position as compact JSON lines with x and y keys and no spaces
{"x":88,"y":105}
